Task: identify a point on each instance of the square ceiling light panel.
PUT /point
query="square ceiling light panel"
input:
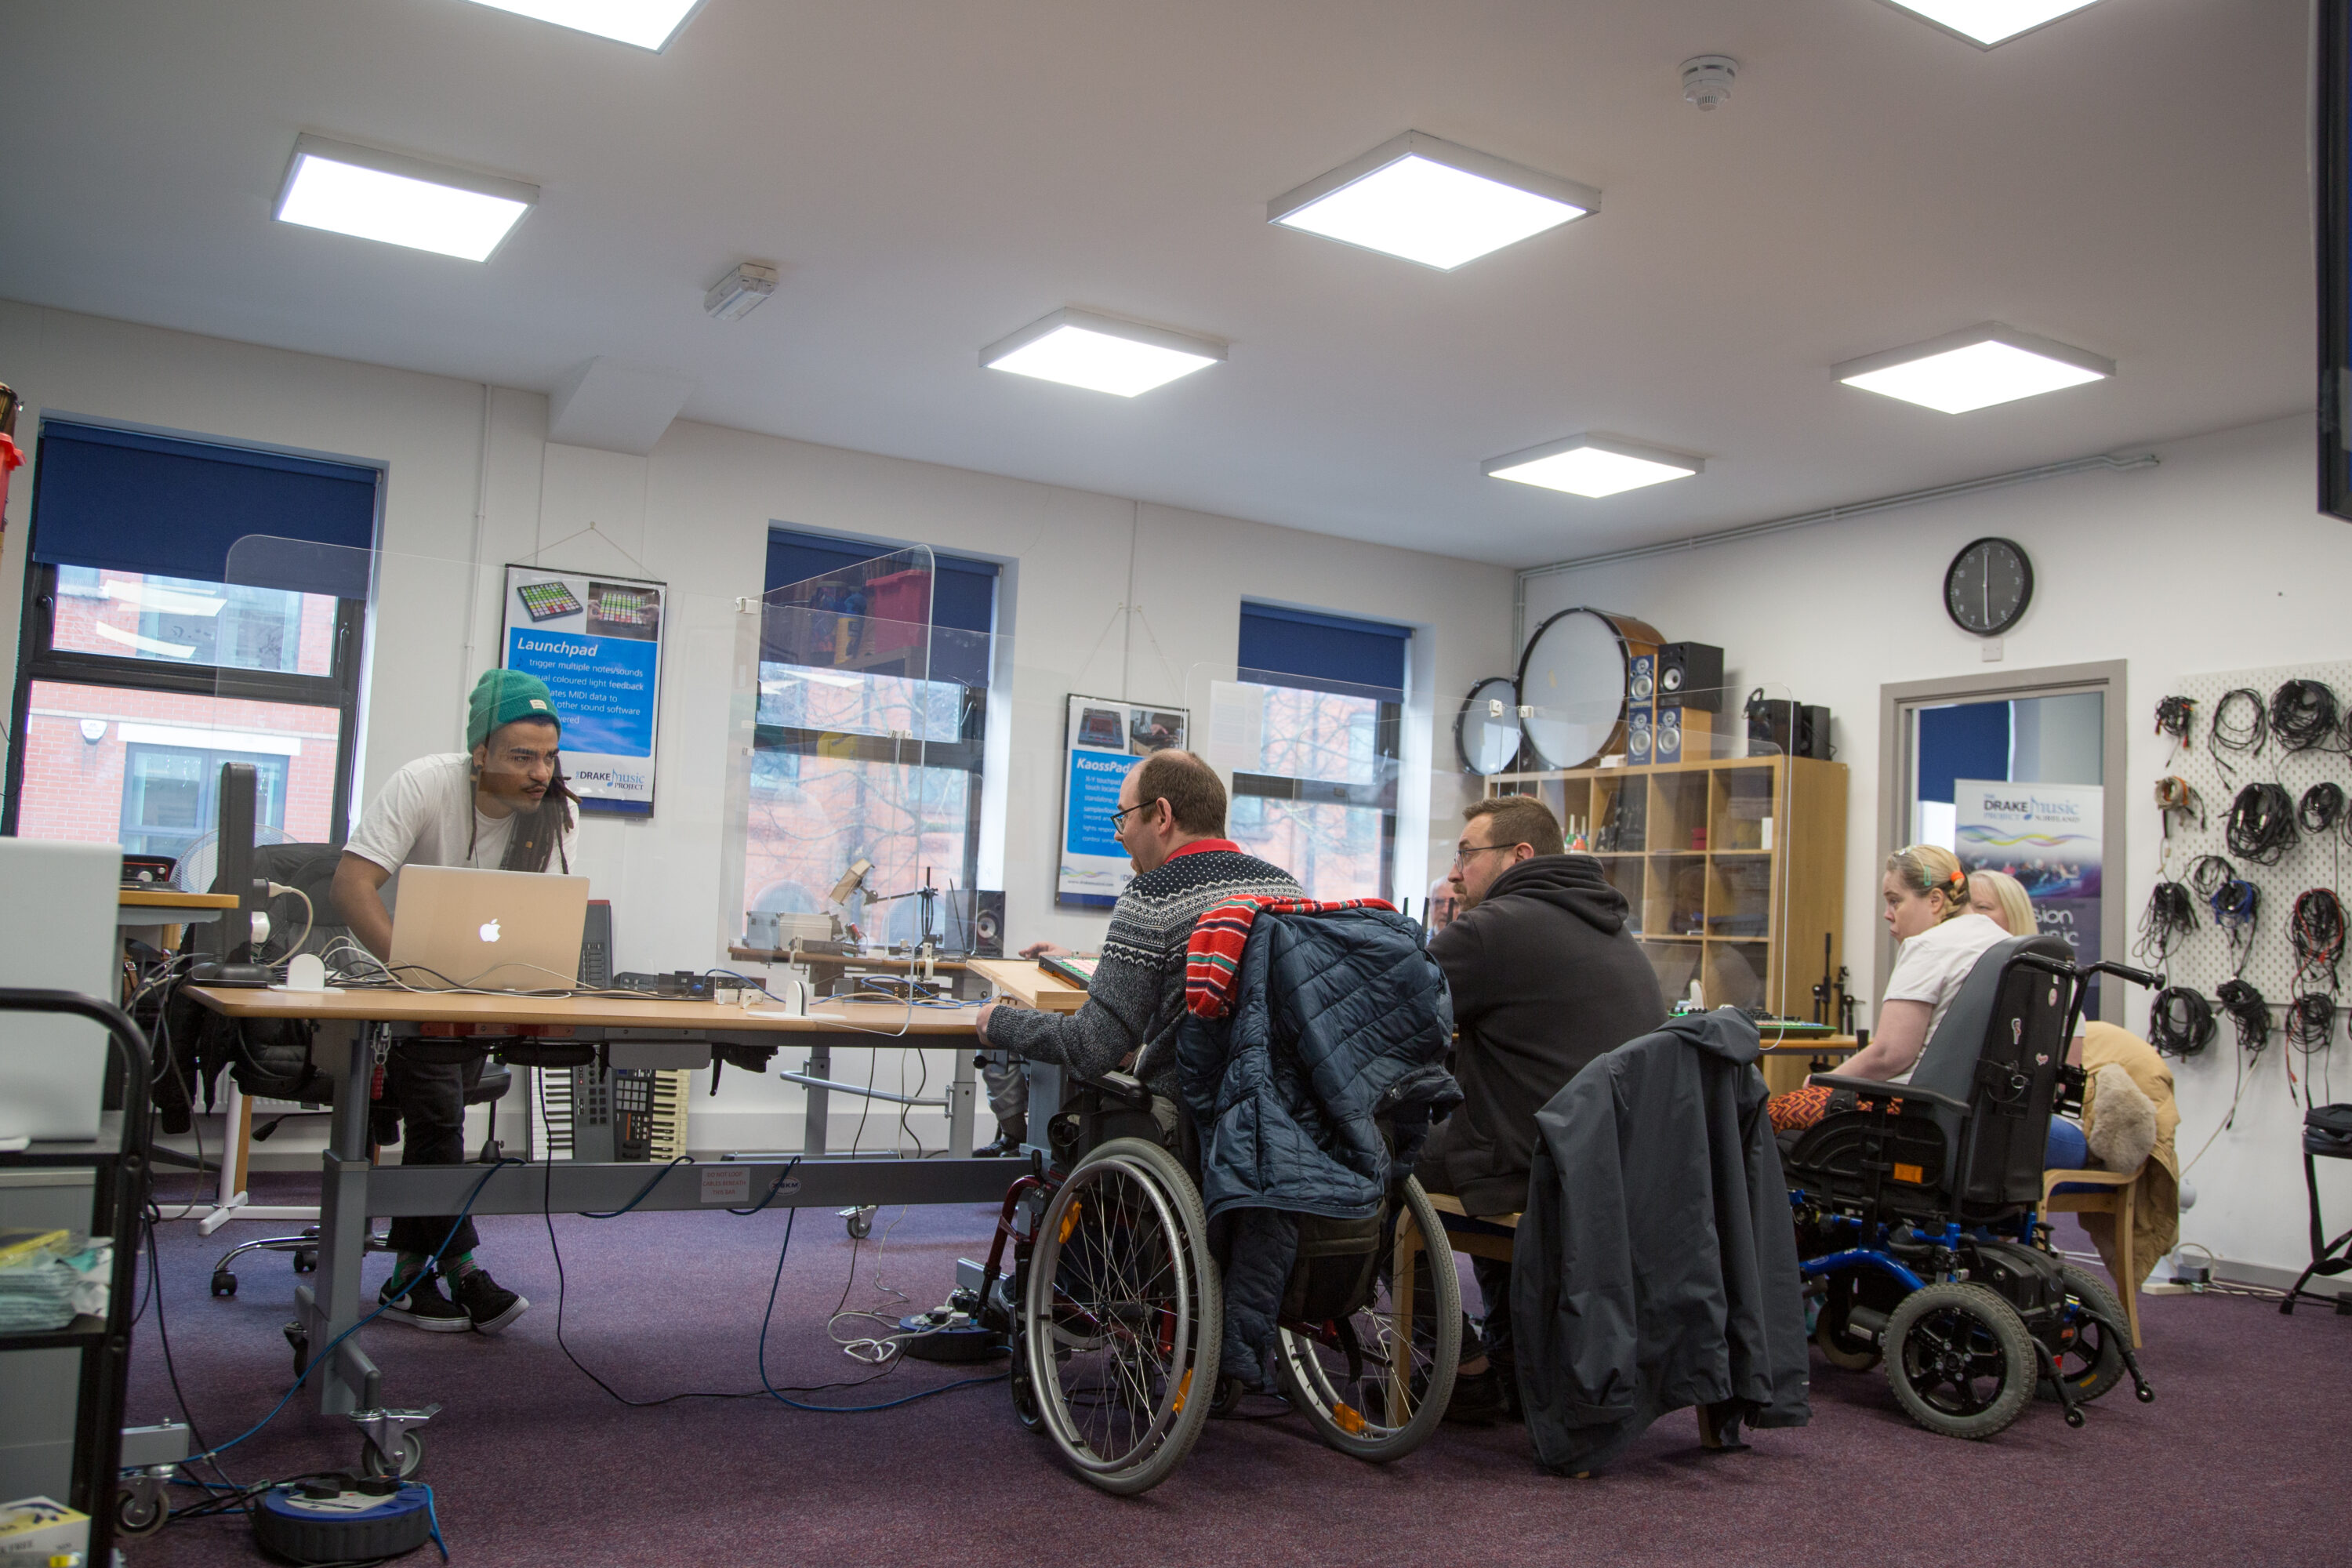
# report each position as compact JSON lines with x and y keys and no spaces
{"x":1101,"y":353}
{"x":648,"y":24}
{"x":1593,"y":465}
{"x":1974,"y":369}
{"x":1432,"y":202}
{"x":1985,"y":22}
{"x":400,"y":200}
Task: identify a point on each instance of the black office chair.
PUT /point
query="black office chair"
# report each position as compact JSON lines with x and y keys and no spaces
{"x":2326,"y":1135}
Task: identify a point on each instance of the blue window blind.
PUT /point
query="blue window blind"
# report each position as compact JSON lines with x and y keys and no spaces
{"x":963,"y":594}
{"x":1967,"y":741}
{"x":1322,"y":653}
{"x":158,"y":505}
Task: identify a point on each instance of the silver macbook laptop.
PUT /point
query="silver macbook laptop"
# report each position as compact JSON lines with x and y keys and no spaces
{"x":57,"y":932}
{"x":488,"y":931}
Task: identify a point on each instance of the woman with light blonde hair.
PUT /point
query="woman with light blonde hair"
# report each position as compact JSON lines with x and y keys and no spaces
{"x":1925,"y":894}
{"x":2003,"y":899}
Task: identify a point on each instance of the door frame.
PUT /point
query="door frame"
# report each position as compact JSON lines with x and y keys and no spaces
{"x":2109,"y":678}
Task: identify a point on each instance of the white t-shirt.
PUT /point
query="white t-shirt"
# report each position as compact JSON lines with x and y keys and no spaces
{"x":1931,"y":965}
{"x":425,"y":816}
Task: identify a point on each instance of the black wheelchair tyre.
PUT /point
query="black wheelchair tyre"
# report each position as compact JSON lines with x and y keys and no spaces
{"x":1357,"y":1419}
{"x":1959,"y":1360}
{"x":2093,"y":1360}
{"x":1122,"y":1262}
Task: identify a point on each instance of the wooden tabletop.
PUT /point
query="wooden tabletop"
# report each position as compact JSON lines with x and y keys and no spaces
{"x":491,"y":1013}
{"x":882,"y":963}
{"x":172,"y":899}
{"x":1806,"y":1044}
{"x":1022,"y":979}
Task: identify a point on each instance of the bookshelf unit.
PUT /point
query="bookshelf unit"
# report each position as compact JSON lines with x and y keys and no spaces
{"x":1734,"y":868}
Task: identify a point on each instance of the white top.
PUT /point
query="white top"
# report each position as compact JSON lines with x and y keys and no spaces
{"x":424,"y":814}
{"x":1931,"y":965}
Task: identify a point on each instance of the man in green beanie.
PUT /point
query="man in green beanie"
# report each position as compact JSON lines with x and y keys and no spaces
{"x":502,"y":805}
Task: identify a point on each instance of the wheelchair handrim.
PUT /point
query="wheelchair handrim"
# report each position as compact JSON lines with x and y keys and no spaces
{"x":1045,"y":1366}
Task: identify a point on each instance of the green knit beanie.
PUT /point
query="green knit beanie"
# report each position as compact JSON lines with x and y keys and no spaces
{"x":503,"y":696}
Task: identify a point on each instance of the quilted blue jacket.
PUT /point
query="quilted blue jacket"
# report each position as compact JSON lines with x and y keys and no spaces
{"x":1341,"y":1017}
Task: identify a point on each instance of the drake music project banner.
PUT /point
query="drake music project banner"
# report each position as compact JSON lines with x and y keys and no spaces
{"x":596,"y":640}
{"x":2050,"y":837}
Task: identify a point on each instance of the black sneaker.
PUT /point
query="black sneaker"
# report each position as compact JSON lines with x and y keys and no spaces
{"x":489,"y":1305}
{"x":422,"y":1306}
{"x":1479,"y":1399}
{"x":1006,"y":1145}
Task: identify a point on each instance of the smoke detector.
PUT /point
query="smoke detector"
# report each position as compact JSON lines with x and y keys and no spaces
{"x":1707,"y":79}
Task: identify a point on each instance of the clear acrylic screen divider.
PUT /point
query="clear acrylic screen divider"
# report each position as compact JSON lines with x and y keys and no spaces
{"x":836,"y":834}
{"x":1696,"y":814}
{"x":1314,"y":771}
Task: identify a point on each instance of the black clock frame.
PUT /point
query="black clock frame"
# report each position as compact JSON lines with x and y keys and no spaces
{"x":2025,"y":564}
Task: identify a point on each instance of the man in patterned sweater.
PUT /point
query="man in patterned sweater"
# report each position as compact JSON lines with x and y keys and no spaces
{"x":1172,"y":823}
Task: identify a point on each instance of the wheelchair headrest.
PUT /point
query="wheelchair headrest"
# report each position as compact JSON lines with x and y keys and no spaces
{"x":1948,"y":1065}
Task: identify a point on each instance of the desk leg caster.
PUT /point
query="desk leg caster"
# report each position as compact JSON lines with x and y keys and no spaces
{"x":391,"y":1445}
{"x":860,"y":1222}
{"x":224,"y":1282}
{"x":140,"y":1504}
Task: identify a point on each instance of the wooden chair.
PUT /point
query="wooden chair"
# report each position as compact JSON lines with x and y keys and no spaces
{"x":1481,"y":1237}
{"x":2120,"y":1198}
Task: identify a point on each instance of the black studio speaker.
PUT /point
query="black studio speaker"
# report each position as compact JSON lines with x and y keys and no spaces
{"x":1791,"y":729}
{"x":988,"y":925}
{"x":1690,"y":675}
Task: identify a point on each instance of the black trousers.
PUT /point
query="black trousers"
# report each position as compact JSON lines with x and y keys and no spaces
{"x":1495,"y":1286}
{"x":430,"y":1097}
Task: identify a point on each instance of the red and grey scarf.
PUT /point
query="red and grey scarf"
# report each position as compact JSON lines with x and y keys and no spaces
{"x":1214,"y":957}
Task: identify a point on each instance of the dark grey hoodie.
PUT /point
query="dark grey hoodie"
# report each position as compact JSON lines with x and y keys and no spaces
{"x":1545,"y":977}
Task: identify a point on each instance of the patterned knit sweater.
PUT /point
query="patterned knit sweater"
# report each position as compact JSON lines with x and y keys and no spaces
{"x":1138,"y":995}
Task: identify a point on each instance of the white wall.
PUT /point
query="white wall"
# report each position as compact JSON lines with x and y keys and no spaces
{"x":696,"y":513}
{"x":2214,"y":560}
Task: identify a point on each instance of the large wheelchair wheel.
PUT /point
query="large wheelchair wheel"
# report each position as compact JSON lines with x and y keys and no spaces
{"x":1123,"y":1317}
{"x":2091,"y":1357}
{"x":1375,"y":1384}
{"x":1959,"y":1360}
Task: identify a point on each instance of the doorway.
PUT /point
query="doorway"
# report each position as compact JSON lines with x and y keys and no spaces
{"x":2012,"y":773}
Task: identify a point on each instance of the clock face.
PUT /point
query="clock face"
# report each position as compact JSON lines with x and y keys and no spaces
{"x":1988,"y":586}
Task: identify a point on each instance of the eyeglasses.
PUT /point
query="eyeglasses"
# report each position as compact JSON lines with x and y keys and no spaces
{"x":1118,"y":818}
{"x":1463,"y":853}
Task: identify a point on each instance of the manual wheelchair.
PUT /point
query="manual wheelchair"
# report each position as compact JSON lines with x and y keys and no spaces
{"x":1917,"y":1211}
{"x":1112,"y":1300}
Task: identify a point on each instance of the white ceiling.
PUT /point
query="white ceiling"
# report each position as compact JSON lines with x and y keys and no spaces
{"x":934,"y":175}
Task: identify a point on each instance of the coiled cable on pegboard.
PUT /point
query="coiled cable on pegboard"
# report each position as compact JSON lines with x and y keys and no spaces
{"x":2310,"y":1022}
{"x":2177,"y":716}
{"x":2179,"y":1021}
{"x":2304,"y":715}
{"x":2249,"y":1012}
{"x":2321,"y":807}
{"x":2168,"y":921}
{"x":2175,"y":796}
{"x":2240,"y":724}
{"x":2315,"y":931}
{"x":2261,"y":823}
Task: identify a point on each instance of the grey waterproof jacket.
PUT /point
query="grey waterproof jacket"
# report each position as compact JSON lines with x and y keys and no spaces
{"x":1656,"y":1262}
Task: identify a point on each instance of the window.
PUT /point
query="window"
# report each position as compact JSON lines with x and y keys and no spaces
{"x":141,"y":668}
{"x":871,"y":729}
{"x":1329,"y":693}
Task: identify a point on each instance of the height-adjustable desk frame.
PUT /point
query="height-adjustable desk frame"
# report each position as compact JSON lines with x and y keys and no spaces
{"x":354,"y":1190}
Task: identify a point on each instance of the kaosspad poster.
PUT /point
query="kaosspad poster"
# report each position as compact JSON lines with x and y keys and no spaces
{"x":596,"y":640}
{"x":1106,"y":737}
{"x":2050,"y":838}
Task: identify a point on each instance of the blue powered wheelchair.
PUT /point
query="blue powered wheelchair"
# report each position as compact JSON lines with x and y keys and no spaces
{"x":1103,"y":1279}
{"x":1917,"y":1215}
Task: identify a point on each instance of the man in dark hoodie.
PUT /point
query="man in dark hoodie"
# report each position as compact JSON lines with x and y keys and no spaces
{"x":1544,"y":976}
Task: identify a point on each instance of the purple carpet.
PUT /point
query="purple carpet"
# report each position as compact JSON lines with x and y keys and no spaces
{"x":2243,"y":1454}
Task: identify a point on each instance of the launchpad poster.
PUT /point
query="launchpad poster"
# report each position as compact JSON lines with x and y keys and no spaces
{"x":1106,"y":737}
{"x":596,"y":640}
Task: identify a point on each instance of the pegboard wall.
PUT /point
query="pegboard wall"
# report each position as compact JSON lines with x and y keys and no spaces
{"x":2204,"y":959}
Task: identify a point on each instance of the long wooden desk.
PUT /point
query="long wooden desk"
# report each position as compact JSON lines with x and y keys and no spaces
{"x":1787,"y":1062}
{"x":354,"y":1190}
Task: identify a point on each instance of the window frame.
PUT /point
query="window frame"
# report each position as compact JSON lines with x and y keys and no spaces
{"x":1388,"y":748}
{"x":39,"y":660}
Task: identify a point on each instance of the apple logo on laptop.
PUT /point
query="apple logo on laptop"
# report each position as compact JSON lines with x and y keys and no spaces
{"x":489,"y":930}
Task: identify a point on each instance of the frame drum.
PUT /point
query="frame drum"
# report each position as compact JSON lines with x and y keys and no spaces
{"x":1572,"y":681}
{"x":1487,"y":731}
